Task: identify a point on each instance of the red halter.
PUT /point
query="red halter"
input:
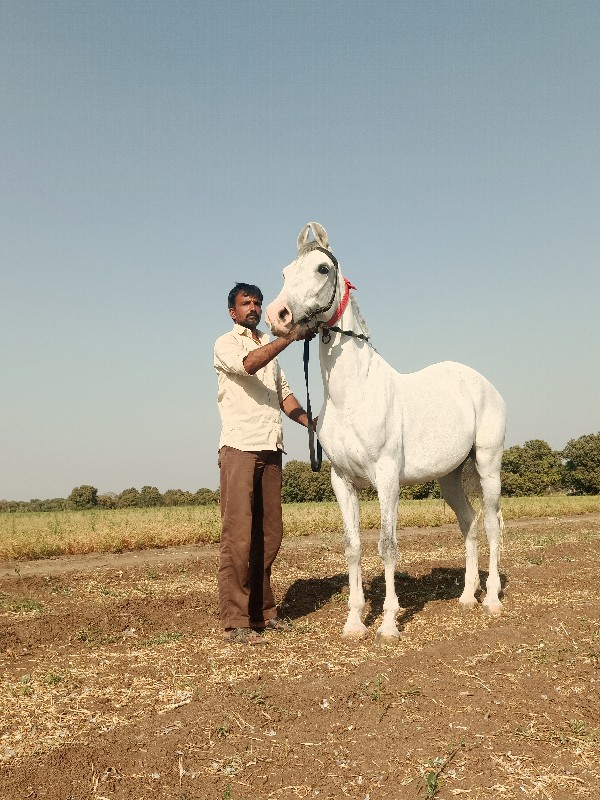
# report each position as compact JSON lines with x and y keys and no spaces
{"x":342,"y":306}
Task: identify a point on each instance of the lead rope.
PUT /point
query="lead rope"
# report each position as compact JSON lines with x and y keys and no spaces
{"x":327,"y":335}
{"x":315,"y":462}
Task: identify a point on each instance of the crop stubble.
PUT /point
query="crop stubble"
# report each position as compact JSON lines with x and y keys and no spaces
{"x":116,"y":683}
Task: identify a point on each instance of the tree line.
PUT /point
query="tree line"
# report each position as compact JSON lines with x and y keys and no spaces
{"x":531,"y":469}
{"x":86,"y":497}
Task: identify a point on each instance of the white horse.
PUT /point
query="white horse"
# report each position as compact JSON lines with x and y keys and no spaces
{"x":387,"y":429}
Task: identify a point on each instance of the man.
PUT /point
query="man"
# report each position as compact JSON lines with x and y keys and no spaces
{"x":252,"y":391}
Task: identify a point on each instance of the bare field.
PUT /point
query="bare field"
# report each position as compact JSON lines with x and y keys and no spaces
{"x":116,"y":683}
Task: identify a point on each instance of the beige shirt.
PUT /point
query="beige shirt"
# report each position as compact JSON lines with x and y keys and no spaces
{"x":249,"y":405}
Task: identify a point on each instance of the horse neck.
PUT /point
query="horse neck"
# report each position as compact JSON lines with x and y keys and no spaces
{"x":345,"y":359}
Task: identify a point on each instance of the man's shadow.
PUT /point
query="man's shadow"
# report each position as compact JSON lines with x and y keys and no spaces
{"x":307,"y":595}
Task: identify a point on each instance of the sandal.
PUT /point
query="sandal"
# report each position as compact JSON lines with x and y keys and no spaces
{"x":243,"y":636}
{"x":277,"y":624}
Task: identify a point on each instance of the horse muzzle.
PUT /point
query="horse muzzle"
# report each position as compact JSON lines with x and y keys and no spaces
{"x":279,"y":318}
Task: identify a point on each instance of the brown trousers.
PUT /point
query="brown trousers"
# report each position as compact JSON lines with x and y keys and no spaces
{"x":251,"y":534}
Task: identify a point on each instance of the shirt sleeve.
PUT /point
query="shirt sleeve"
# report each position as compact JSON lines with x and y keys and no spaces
{"x":230,"y":355}
{"x":283,"y":386}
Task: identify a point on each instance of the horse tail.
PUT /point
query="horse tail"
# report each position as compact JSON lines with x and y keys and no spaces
{"x":470,"y":478}
{"x":472,"y":488}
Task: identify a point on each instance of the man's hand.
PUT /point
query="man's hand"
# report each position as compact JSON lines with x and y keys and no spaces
{"x":259,"y":358}
{"x":298,"y":334}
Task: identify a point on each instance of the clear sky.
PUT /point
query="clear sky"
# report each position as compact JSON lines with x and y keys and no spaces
{"x":154,"y":153}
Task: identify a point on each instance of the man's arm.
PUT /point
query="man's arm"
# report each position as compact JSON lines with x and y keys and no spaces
{"x":292,"y":409}
{"x":259,"y":358}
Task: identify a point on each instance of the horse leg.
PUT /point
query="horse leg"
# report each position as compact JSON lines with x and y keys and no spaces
{"x":453,"y":493}
{"x":388,"y":491}
{"x":488,"y":467}
{"x":347,"y":498}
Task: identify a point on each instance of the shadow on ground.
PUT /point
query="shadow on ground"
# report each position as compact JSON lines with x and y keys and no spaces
{"x":305,"y":596}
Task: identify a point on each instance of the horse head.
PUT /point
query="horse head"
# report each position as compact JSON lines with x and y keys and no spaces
{"x":310,"y":285}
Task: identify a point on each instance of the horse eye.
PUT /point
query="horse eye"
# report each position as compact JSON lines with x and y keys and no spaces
{"x":323,"y":269}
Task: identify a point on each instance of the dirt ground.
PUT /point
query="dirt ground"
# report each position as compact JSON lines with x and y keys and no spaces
{"x":116,"y":683}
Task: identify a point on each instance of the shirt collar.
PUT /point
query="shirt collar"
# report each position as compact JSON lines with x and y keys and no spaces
{"x":243,"y":331}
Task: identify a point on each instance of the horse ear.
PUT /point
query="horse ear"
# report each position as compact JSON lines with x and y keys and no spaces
{"x":303,"y":236}
{"x":319,"y":233}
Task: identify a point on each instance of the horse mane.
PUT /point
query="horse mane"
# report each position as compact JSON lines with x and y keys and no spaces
{"x":359,"y":317}
{"x":309,"y":247}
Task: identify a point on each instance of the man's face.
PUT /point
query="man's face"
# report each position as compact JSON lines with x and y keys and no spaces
{"x":247,"y":310}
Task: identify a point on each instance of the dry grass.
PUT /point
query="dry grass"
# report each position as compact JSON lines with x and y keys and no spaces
{"x":44,"y":535}
{"x":559,"y":505}
{"x":48,"y":534}
{"x":463,"y":705}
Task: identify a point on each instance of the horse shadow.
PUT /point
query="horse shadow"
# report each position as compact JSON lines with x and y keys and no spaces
{"x":307,"y":595}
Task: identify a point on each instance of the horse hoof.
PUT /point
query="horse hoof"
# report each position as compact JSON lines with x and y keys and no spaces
{"x":493,"y":611}
{"x":387,"y":638}
{"x":354,"y":634}
{"x":467,"y":606}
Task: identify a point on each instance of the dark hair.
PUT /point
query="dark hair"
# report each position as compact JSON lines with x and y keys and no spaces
{"x":248,"y":289}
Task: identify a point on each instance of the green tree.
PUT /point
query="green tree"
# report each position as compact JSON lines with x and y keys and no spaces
{"x":533,"y":469}
{"x":55,"y":504}
{"x":129,"y":498}
{"x":301,"y":485}
{"x":177,"y":497}
{"x":368,"y":493}
{"x":83,"y":497}
{"x":420,"y":491}
{"x":206,"y":497}
{"x":294,"y":482}
{"x":12,"y":506}
{"x":581,"y":471}
{"x":108,"y":500}
{"x":150,"y":497}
